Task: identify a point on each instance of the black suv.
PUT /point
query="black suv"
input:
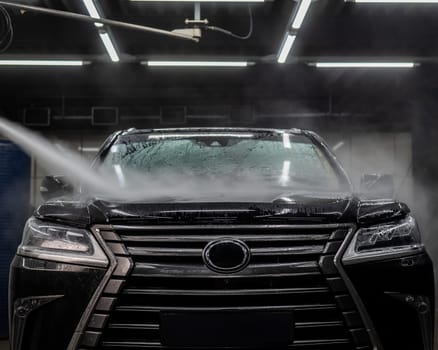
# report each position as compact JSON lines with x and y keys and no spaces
{"x":239,"y":238}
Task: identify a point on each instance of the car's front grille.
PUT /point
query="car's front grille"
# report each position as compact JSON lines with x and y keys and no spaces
{"x":160,"y":268}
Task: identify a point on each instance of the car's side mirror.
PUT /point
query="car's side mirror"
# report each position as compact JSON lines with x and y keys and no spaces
{"x":377,"y":186}
{"x":55,"y":186}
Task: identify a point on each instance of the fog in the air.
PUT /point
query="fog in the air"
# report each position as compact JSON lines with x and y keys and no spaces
{"x":132,"y":186}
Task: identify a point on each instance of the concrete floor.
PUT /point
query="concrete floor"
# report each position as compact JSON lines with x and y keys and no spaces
{"x":4,"y":345}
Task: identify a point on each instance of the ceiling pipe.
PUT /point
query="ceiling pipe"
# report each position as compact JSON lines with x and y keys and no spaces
{"x":108,"y":22}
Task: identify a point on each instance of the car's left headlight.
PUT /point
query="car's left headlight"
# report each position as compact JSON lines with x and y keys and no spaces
{"x":383,"y":241}
{"x":51,"y":241}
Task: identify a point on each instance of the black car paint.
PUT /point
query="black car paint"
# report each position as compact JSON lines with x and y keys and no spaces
{"x":307,"y":210}
{"x":373,"y":281}
{"x":67,"y":288}
{"x":398,"y":295}
{"x":347,"y":209}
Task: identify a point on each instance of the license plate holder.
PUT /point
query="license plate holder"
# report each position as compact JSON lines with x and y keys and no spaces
{"x":226,"y":329}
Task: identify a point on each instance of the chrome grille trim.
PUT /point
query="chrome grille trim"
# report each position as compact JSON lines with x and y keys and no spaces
{"x":79,"y":331}
{"x":316,"y":249}
{"x":226,"y":227}
{"x":259,"y":270}
{"x":208,"y":238}
{"x":226,"y":292}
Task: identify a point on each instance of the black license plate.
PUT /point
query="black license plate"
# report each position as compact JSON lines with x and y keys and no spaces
{"x":226,"y":329}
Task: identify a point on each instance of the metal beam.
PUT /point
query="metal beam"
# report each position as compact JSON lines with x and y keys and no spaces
{"x":108,"y":22}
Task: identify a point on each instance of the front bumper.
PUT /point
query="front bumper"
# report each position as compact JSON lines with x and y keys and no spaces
{"x":48,"y":301}
{"x":399,"y":297}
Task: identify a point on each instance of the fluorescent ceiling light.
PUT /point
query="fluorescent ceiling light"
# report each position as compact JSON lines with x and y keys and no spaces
{"x":197,"y":63}
{"x":301,"y":13}
{"x":109,"y":46}
{"x":104,"y":36}
{"x":303,"y":7}
{"x":198,"y":0}
{"x":41,"y":63}
{"x":92,"y":11}
{"x":287,"y":46}
{"x":365,"y":64}
{"x":395,"y":1}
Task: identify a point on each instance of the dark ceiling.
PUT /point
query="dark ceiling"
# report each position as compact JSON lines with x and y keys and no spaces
{"x":333,"y":29}
{"x":38,"y":34}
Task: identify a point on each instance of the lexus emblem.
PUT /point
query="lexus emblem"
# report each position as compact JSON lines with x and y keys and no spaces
{"x":226,"y":255}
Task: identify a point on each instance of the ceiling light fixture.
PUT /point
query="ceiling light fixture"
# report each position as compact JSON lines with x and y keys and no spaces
{"x":285,"y":49}
{"x":109,"y":46}
{"x":196,"y":63}
{"x":363,"y":64}
{"x":198,"y":0}
{"x":92,"y":10}
{"x":394,"y":1}
{"x":104,"y":36}
{"x":297,"y":22}
{"x":41,"y":63}
{"x":301,"y":13}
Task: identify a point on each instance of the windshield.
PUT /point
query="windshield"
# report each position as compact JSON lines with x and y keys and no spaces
{"x":279,"y":162}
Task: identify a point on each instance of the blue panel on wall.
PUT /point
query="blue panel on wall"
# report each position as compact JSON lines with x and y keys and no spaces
{"x":14,"y":209}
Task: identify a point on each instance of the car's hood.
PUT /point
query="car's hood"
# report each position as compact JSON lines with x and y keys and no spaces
{"x":310,"y":208}
{"x":298,"y":208}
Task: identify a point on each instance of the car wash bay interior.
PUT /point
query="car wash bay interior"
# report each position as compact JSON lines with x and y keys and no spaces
{"x":362,"y":75}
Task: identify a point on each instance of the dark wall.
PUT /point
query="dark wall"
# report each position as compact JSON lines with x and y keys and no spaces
{"x":265,"y":95}
{"x":14,"y":210}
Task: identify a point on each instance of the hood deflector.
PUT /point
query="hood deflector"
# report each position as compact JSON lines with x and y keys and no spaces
{"x":301,"y":210}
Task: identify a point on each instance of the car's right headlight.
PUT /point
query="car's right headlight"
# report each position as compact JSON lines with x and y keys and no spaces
{"x":50,"y":241}
{"x":384,"y":241}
